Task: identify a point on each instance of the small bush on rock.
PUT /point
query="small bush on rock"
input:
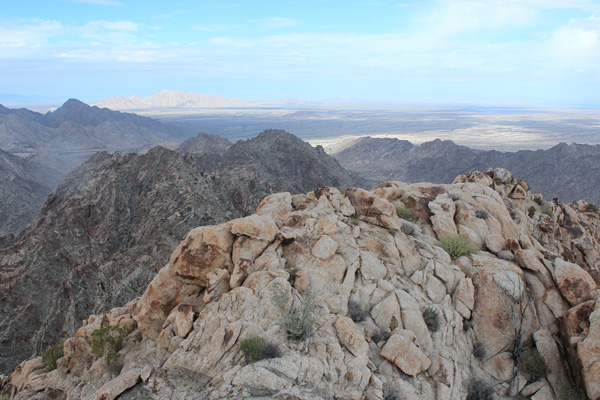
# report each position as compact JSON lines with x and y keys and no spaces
{"x":408,"y":229}
{"x":108,"y":341}
{"x":404,"y":213}
{"x":575,"y":394}
{"x":380,"y":335}
{"x":356,"y":311}
{"x":531,"y":211}
{"x":432,"y":319}
{"x":256,"y":348}
{"x":457,"y":246}
{"x":538,"y":200}
{"x":479,"y":350}
{"x":298,"y":321}
{"x":548,"y":211}
{"x":480,"y":390}
{"x":482,"y":214}
{"x":50,"y":356}
{"x":534,"y":365}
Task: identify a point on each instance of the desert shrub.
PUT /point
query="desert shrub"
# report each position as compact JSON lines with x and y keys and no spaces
{"x":513,"y":214}
{"x":564,"y":256}
{"x":479,"y":350}
{"x":139,"y":336}
{"x":531,"y":211}
{"x":471,"y":179}
{"x":380,"y":335}
{"x":353,"y":220}
{"x":480,"y":390}
{"x":108,"y":341}
{"x":457,"y":246}
{"x":253,"y":348}
{"x":270,"y":350}
{"x":482,"y":214}
{"x":404,"y":213}
{"x":548,"y":211}
{"x":432,"y":319}
{"x":467,"y":324}
{"x":298,"y":321}
{"x":538,"y":200}
{"x":574,"y":394}
{"x":293,"y":273}
{"x":356,"y":311}
{"x":534,"y":365}
{"x":50,"y":356}
{"x":408,"y":229}
{"x":389,"y":393}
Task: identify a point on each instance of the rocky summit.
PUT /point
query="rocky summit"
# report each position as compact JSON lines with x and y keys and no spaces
{"x":482,"y":290}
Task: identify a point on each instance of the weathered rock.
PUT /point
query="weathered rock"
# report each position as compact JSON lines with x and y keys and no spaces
{"x":111,"y":390}
{"x":406,"y":355}
{"x":574,"y":283}
{"x":351,"y":337}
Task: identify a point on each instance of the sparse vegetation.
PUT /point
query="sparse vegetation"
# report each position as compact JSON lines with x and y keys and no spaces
{"x":457,"y":246}
{"x":356,"y":311}
{"x":108,"y":341}
{"x":534,"y":365}
{"x":467,"y":324}
{"x":548,"y":211}
{"x":256,"y":348}
{"x":404,"y":213}
{"x":479,"y":350}
{"x":389,"y":393}
{"x":513,"y":214}
{"x":293,"y":273}
{"x":564,"y":256}
{"x":380,"y":335}
{"x":480,"y":390}
{"x":353,"y":220}
{"x":432,"y":319}
{"x":531,"y":211}
{"x":391,"y":231}
{"x":139,"y":336}
{"x":408,"y":228}
{"x":538,"y":200}
{"x":50,"y":356}
{"x":482,"y":214}
{"x":298,"y":321}
{"x":574,"y":394}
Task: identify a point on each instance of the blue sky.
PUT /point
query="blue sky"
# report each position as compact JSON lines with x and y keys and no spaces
{"x":480,"y":52}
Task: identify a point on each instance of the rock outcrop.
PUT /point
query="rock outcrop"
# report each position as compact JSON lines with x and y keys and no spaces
{"x":105,"y":232}
{"x":359,"y":303}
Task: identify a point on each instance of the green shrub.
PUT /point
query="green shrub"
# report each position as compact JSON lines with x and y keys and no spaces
{"x":479,"y":350}
{"x":574,"y":394}
{"x":480,"y":390}
{"x":548,"y":211}
{"x":531,"y":211}
{"x":432,"y":319}
{"x":299,"y":321}
{"x":538,"y":200}
{"x":256,"y":348}
{"x":380,"y":335}
{"x":293,"y":273}
{"x":356,"y":311}
{"x":408,"y":228}
{"x":353,"y":220}
{"x":50,"y":356}
{"x":404,"y":213}
{"x":534,"y":365}
{"x":139,"y":336}
{"x":457,"y":246}
{"x":108,"y":341}
{"x":482,"y":214}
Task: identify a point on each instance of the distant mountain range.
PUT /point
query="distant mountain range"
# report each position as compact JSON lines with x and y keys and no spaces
{"x":569,"y":172}
{"x":172,"y":99}
{"x":111,"y":225}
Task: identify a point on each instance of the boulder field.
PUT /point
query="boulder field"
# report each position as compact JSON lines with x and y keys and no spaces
{"x":357,"y":303}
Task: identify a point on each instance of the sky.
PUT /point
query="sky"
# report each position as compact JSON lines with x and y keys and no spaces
{"x":437,"y":52}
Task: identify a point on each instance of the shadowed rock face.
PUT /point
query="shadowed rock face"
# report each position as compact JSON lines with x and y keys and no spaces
{"x":390,"y":311}
{"x":569,"y":172}
{"x":105,"y":232}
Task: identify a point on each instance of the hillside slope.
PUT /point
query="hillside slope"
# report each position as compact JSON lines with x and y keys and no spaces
{"x":357,"y":303}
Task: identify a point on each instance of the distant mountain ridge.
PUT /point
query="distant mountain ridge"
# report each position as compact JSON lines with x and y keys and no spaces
{"x":171,"y":99}
{"x":566,"y":171}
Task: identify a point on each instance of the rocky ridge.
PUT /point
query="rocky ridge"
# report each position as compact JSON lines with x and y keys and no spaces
{"x":104,"y":233}
{"x":569,"y":172}
{"x":375,"y":281}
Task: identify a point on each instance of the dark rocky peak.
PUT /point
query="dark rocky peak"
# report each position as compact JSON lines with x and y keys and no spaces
{"x":204,"y":143}
{"x":76,"y":111}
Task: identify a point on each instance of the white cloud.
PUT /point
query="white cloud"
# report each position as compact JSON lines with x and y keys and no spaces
{"x":274,"y":23}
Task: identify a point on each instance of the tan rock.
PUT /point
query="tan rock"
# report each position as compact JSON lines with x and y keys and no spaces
{"x":260,"y":227}
{"x":555,"y":302}
{"x":387,"y":313}
{"x":548,"y":350}
{"x":203,"y":250}
{"x":351,"y":337}
{"x":371,"y":267}
{"x":111,"y":390}
{"x":324,"y":248}
{"x":406,"y":355}
{"x":184,"y":320}
{"x":156,"y":302}
{"x":588,"y":352}
{"x":575,"y":284}
{"x":495,"y":243}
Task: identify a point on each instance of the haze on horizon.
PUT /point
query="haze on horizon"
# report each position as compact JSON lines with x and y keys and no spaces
{"x":484,"y":52}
